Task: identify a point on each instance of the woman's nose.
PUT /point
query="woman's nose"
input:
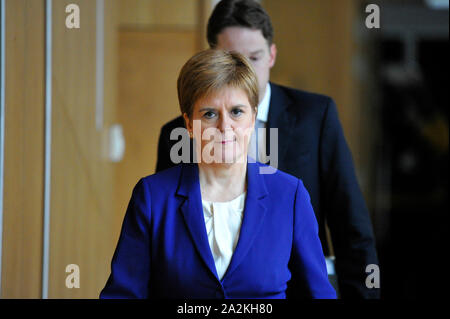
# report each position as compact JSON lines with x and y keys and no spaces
{"x":224,"y":123}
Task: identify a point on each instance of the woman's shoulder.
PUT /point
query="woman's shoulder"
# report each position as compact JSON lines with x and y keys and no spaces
{"x":282,"y":188}
{"x":164,"y":179}
{"x":277,"y":178}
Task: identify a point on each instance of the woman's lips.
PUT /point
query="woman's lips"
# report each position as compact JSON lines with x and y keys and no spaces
{"x":228,"y":141}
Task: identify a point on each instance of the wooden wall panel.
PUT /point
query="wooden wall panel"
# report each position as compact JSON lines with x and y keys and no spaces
{"x":149,"y":63}
{"x":110,"y":114}
{"x":82,"y":217}
{"x":316,"y":47}
{"x":156,"y":39}
{"x":145,"y":13}
{"x":24,"y":137}
{"x":314,"y":41}
{"x":318,"y":51}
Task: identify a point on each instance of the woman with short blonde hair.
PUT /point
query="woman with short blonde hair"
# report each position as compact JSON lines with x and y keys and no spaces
{"x":219,"y":229}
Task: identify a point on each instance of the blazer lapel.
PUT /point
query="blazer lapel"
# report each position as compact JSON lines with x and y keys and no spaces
{"x":254,"y":212}
{"x":191,"y":208}
{"x":280,"y":117}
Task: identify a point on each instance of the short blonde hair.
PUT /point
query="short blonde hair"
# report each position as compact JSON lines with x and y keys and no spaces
{"x":212,"y":70}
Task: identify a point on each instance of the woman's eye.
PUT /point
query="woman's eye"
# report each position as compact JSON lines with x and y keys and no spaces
{"x":209,"y":115}
{"x":254,"y":59}
{"x":236,"y":112}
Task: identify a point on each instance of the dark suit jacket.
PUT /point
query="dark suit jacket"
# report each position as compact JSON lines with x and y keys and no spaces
{"x":312,"y":147}
{"x":163,"y":250}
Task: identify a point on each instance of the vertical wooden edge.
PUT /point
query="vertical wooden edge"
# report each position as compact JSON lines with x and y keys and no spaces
{"x":24,"y":102}
{"x":2,"y":127}
{"x":47,"y":146}
{"x":204,"y":9}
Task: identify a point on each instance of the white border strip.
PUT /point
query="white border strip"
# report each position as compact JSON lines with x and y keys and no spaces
{"x":2,"y":123}
{"x":48,"y":141}
{"x":100,"y":64}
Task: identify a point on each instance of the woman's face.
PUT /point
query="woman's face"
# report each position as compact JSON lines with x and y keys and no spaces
{"x":222,"y":122}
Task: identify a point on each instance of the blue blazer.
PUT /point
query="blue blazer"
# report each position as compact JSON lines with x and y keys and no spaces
{"x":163,"y":249}
{"x":312,"y":147}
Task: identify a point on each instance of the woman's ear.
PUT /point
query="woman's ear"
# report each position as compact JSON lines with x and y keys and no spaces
{"x":187,"y":122}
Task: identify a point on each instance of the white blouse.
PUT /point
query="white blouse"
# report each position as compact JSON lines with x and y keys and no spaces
{"x":223,"y":223}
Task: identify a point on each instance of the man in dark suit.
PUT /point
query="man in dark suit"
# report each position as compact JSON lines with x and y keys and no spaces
{"x":311,"y":144}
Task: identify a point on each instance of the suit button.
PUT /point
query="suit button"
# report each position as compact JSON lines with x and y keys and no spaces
{"x":219,"y":294}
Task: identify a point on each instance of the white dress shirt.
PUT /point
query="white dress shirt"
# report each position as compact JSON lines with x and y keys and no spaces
{"x":257,"y":150}
{"x":263,"y":107}
{"x":223,"y":222}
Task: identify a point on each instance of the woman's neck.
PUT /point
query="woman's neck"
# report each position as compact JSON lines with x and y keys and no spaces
{"x":222,"y":182}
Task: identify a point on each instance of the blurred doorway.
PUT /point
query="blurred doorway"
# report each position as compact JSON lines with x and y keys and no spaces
{"x":413,"y":148}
